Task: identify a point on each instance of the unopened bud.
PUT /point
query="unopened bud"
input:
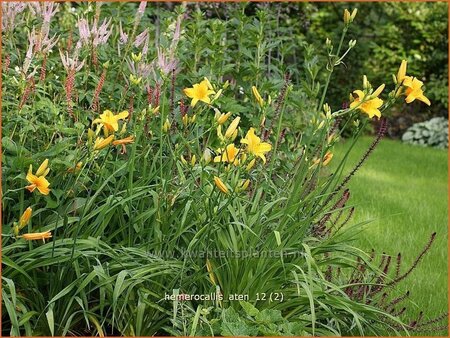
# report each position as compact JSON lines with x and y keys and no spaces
{"x":347,"y":16}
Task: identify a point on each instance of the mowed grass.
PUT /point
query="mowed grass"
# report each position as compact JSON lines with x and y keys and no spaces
{"x":403,"y":190}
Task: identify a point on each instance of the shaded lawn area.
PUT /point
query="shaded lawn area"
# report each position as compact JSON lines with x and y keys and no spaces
{"x":403,"y":189}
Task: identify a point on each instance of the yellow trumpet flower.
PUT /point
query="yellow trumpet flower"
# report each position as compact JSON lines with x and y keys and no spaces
{"x":199,"y":92}
{"x":228,"y":154}
{"x":369,"y":104}
{"x":38,"y":181}
{"x":255,"y":146}
{"x":109,"y":121}
{"x":414,"y":90}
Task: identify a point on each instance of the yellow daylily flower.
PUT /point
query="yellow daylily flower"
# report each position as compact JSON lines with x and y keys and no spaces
{"x":39,"y":182}
{"x":101,"y":143}
{"x":255,"y":146}
{"x":219,"y":183}
{"x":228,"y":154}
{"x":25,"y":218}
{"x":402,"y":71}
{"x":126,"y":140}
{"x":326,"y":159}
{"x":110,"y":121}
{"x":232,"y":129}
{"x":369,"y":104}
{"x":37,"y":235}
{"x":199,"y":92}
{"x":414,"y":90}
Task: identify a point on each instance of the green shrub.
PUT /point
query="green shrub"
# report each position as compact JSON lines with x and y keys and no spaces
{"x":431,"y":133}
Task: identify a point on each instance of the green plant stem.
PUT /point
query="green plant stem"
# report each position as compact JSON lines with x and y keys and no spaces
{"x":325,"y":89}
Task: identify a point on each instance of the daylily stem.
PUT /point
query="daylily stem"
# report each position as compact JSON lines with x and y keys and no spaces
{"x":325,"y":89}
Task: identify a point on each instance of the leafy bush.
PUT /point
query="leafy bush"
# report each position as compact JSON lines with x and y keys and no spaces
{"x":133,"y":172}
{"x":431,"y":133}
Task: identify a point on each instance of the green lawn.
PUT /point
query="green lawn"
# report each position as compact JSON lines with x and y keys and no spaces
{"x":403,"y":189}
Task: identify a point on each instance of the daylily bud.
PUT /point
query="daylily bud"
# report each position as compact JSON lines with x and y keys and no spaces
{"x":377,"y":92}
{"x":206,"y":155}
{"x":328,"y":42}
{"x":347,"y":17}
{"x":232,"y":128}
{"x":185,"y":120}
{"x":394,"y":79}
{"x":250,"y":165}
{"x":356,"y":123}
{"x":155,"y":110}
{"x":42,"y":168}
{"x":208,"y":83}
{"x":219,"y":183}
{"x":16,"y":230}
{"x":101,"y":143}
{"x":91,"y":135}
{"x":366,"y":83}
{"x":136,"y":58}
{"x":321,"y":124}
{"x":217,"y":95}
{"x":219,"y":132}
{"x":193,"y":118}
{"x":351,"y":43}
{"x":166,"y":125}
{"x":124,"y":129}
{"x":402,"y":71}
{"x":352,"y":17}
{"x":226,"y":84}
{"x":263,"y":121}
{"x":244,"y":185}
{"x":257,"y":96}
{"x":221,"y":118}
{"x":25,"y":218}
{"x":135,"y":80}
{"x":183,"y":160}
{"x":326,"y":108}
{"x":233,"y":137}
{"x":193,"y":160}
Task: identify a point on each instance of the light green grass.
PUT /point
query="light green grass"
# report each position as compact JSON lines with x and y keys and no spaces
{"x":403,"y":189}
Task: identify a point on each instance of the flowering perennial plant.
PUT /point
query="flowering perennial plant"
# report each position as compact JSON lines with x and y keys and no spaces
{"x":145,"y":187}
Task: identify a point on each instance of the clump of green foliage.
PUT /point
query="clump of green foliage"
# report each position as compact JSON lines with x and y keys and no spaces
{"x":431,"y":133}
